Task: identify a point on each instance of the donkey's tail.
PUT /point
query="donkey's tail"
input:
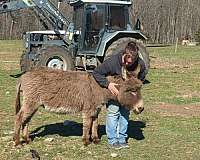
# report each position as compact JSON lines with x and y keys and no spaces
{"x":17,"y":101}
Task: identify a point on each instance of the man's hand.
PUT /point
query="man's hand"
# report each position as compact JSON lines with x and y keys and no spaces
{"x":113,"y":89}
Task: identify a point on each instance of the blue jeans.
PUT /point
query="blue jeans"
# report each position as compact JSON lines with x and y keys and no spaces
{"x":116,"y":122}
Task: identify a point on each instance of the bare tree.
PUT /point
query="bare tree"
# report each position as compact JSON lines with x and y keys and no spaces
{"x":163,"y":21}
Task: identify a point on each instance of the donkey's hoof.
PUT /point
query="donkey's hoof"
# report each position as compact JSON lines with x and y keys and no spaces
{"x":96,"y":140}
{"x":86,"y":142}
{"x":16,"y":142}
{"x":27,"y":140}
{"x":18,"y":145}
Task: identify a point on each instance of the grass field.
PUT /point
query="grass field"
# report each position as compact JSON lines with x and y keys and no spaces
{"x":169,"y":128}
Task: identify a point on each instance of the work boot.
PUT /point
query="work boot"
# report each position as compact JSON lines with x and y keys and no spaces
{"x":115,"y":145}
{"x":124,"y":145}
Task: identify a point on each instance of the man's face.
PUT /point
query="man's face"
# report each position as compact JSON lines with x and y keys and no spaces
{"x":129,"y":58}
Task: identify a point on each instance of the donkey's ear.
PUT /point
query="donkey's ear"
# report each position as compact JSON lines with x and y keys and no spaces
{"x":131,"y":74}
{"x":134,"y":73}
{"x":124,"y":73}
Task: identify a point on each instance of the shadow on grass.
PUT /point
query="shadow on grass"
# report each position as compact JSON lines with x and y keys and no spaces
{"x":65,"y":130}
{"x":75,"y":129}
{"x":135,"y":129}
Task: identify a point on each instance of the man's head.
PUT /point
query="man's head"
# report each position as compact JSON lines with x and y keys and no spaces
{"x":130,"y":53}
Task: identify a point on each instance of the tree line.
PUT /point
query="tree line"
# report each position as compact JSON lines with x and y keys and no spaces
{"x":166,"y":20}
{"x":163,"y":21}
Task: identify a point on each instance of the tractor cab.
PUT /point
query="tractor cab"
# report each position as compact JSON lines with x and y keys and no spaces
{"x":92,"y":19}
{"x":99,"y":28}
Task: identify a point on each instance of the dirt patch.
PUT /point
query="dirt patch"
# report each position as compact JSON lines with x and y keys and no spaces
{"x":9,"y":60}
{"x":9,"y":65}
{"x":188,"y":94}
{"x":192,"y":110}
{"x":160,"y":63}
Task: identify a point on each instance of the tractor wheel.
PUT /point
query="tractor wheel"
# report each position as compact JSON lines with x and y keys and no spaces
{"x":119,"y":45}
{"x":56,"y":57}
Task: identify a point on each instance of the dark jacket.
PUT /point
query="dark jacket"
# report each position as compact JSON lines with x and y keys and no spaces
{"x":113,"y":66}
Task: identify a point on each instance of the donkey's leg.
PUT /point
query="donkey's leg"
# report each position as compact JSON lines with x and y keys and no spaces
{"x":95,"y":137}
{"x":22,"y":118}
{"x":29,"y":111}
{"x":87,"y":124}
{"x":17,"y":127}
{"x":25,"y":133}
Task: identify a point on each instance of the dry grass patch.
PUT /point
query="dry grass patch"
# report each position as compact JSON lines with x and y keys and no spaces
{"x":192,"y":110}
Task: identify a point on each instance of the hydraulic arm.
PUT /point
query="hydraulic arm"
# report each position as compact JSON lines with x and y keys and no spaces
{"x":43,"y":8}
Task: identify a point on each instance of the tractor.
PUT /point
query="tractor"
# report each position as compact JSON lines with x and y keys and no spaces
{"x":97,"y":30}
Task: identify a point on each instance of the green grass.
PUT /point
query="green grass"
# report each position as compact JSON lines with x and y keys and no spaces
{"x":152,"y":136}
{"x":176,"y":75}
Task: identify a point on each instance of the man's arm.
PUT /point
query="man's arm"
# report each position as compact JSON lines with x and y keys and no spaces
{"x":101,"y":72}
{"x":111,"y":66}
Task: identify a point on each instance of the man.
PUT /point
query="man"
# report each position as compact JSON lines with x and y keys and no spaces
{"x":117,"y":116}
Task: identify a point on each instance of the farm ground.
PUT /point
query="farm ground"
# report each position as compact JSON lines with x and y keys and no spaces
{"x":169,"y":128}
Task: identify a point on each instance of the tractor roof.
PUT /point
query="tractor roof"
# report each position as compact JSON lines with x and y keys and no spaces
{"x":123,"y":2}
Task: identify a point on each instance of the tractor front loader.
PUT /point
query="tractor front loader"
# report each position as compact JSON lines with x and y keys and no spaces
{"x":98,"y":29}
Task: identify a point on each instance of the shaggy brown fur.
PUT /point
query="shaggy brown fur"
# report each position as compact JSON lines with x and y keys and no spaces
{"x":69,"y":92}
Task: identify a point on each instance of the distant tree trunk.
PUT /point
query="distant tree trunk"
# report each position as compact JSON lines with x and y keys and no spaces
{"x":5,"y":26}
{"x":163,"y":20}
{"x":11,"y":29}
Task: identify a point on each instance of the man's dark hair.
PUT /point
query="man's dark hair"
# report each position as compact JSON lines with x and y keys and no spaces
{"x":132,"y":48}
{"x":131,"y":51}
